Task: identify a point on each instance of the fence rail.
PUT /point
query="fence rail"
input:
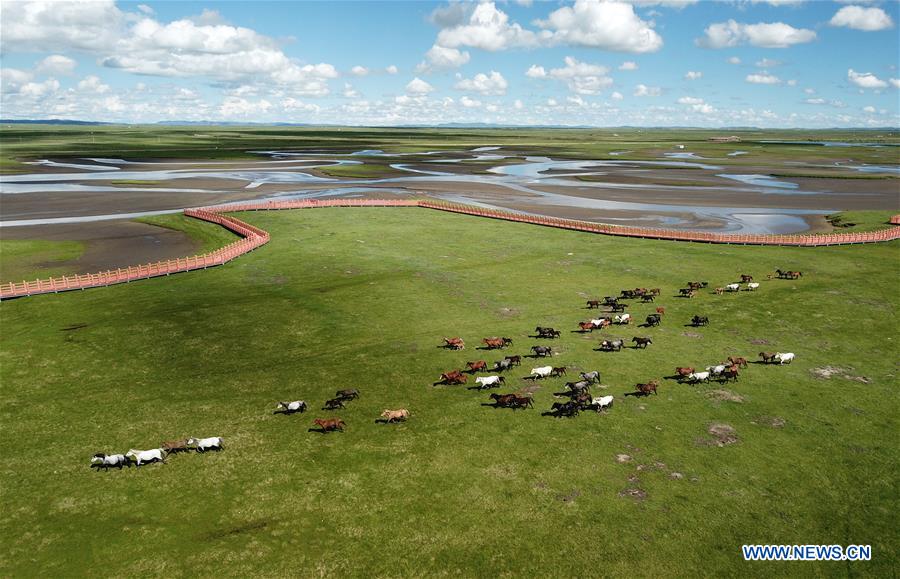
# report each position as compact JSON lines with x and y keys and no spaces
{"x":254,"y":237}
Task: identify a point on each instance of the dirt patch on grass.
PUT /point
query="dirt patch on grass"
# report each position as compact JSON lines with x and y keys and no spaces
{"x":724,"y":396}
{"x":691,"y":335}
{"x":569,"y":497}
{"x":635,"y":493}
{"x":826,"y":372}
{"x":770,"y":421}
{"x":508,"y":312}
{"x":623,"y":458}
{"x":760,"y":342}
{"x":722,"y":435}
{"x":236,"y":530}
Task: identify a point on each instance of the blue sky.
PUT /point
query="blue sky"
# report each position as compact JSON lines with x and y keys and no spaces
{"x":768,"y":63}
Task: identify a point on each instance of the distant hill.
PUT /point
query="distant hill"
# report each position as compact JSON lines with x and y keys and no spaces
{"x":49,"y":122}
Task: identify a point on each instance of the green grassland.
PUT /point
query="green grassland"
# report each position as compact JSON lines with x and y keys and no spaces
{"x":30,"y":259}
{"x":208,"y":235}
{"x":360,"y":298}
{"x":25,"y":142}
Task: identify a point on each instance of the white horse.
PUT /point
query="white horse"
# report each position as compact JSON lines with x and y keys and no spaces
{"x":204,"y":444}
{"x":784,"y":357}
{"x":752,"y":286}
{"x":698,"y":377}
{"x":291,"y":407}
{"x":542,"y":372}
{"x":144,"y":456}
{"x":107,"y":461}
{"x":622,"y":319}
{"x":488,"y":381}
{"x":602,"y":402}
{"x":716,"y":370}
{"x":733,"y":287}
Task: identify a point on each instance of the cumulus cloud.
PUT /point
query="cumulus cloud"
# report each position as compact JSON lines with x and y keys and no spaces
{"x":763,"y":78}
{"x":605,"y":25}
{"x":469,"y":103}
{"x":895,"y":82}
{"x":693,"y":75}
{"x":643,"y":90}
{"x":492,"y":84}
{"x":689,"y":101}
{"x":441,"y":58}
{"x":869,"y":109}
{"x":535,"y":71}
{"x":865,"y":79}
{"x":860,"y":18}
{"x":767,"y":63}
{"x":628,"y":65}
{"x":359,"y":70}
{"x":52,"y":26}
{"x":734,"y":60}
{"x":93,"y":84}
{"x":487,"y":28}
{"x":518,"y":105}
{"x":580,"y":77}
{"x":763,"y":34}
{"x":616,"y":96}
{"x":815,"y":101}
{"x":418,"y":87}
{"x":391,"y":69}
{"x":349,"y":92}
{"x":56,"y":64}
{"x":667,"y":3}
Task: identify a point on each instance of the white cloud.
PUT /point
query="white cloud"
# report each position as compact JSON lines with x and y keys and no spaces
{"x":865,"y":79}
{"x":535,"y":71}
{"x":487,"y":28}
{"x":391,"y":69}
{"x":493,"y":84}
{"x":763,"y":78}
{"x":860,"y":18}
{"x":419,"y":87}
{"x":792,"y":82}
{"x":815,"y":101}
{"x":359,"y":70}
{"x":895,"y":82}
{"x":93,"y":84}
{"x":581,"y":77}
{"x":576,"y":100}
{"x":12,"y":79}
{"x":693,"y":75}
{"x":869,"y":109}
{"x":145,"y":9}
{"x":291,"y":104}
{"x":469,"y":103}
{"x":350,"y":92}
{"x":763,"y":34}
{"x":239,"y":107}
{"x":52,"y":26}
{"x":668,"y":3}
{"x":809,"y":91}
{"x":767,"y":63}
{"x":441,"y":58}
{"x":551,"y":102}
{"x":518,"y":105}
{"x":628,"y":65}
{"x":617,"y":96}
{"x":779,"y":2}
{"x":56,"y":64}
{"x":690,"y":101}
{"x":605,"y":25}
{"x":643,"y":90}
{"x":734,"y":60}
{"x":39,"y":89}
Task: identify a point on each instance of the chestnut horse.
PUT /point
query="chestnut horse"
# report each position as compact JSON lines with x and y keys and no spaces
{"x":477,"y":366}
{"x":329,"y":424}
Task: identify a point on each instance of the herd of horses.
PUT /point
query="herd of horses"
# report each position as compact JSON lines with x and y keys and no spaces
{"x":578,"y":392}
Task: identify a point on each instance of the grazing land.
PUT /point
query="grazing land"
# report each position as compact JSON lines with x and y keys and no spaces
{"x":671,"y":484}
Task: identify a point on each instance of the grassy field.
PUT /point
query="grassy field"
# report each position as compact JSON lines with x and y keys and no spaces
{"x":360,"y":298}
{"x":26,"y":142}
{"x":208,"y":235}
{"x":29,"y":259}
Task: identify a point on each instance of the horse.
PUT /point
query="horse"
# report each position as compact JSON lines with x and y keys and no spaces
{"x":567,"y":409}
{"x":683,"y":371}
{"x":591,"y":377}
{"x":767,"y":357}
{"x":788,"y":274}
{"x":288,"y":407}
{"x":586,"y":326}
{"x":452,"y":378}
{"x":349,"y":393}
{"x":503,"y":400}
{"x":502,"y":365}
{"x":547,"y":332}
{"x":656,"y":291}
{"x":579,"y":386}
{"x":641,"y":342}
{"x":514,"y":360}
{"x":737,"y":361}
{"x":591,"y":304}
{"x":646,"y":298}
{"x":454,"y":343}
{"x":395,"y":415}
{"x":646,"y":389}
{"x":617,"y":307}
{"x":730,"y":373}
{"x":696,"y":285}
{"x":493,"y":343}
{"x":329,"y":424}
{"x":654,"y":319}
{"x":746,"y":278}
{"x":699,"y":321}
{"x":558,"y":371}
{"x":720,"y":291}
{"x":521,"y":402}
{"x":476,"y":366}
{"x":610,"y":345}
{"x":542,"y":351}
{"x":661,"y":311}
{"x":334,"y":404}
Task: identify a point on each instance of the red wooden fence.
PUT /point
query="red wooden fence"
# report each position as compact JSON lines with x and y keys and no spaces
{"x":253,"y":237}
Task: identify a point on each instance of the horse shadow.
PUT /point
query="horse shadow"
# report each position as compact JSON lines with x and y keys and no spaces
{"x":637,"y":394}
{"x":288,"y":412}
{"x":321,"y":430}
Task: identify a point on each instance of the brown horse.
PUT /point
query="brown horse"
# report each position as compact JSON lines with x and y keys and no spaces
{"x":746,"y":278}
{"x":647,"y":298}
{"x":496,"y":343}
{"x":730,"y":373}
{"x":514,"y":360}
{"x":767,"y":357}
{"x":641,"y":342}
{"x":656,"y":291}
{"x":560,"y":371}
{"x":738,"y":361}
{"x":454,"y":377}
{"x":503,"y":399}
{"x":684,"y":370}
{"x":586,"y":326}
{"x":522,"y":401}
{"x":476,"y":366}
{"x":661,"y":311}
{"x":591,"y":304}
{"x":454,"y":343}
{"x":334,"y":404}
{"x":646,"y":389}
{"x":329,"y":424}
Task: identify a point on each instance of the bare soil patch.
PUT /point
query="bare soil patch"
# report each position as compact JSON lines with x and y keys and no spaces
{"x":826,"y":372}
{"x":724,"y":396}
{"x":721,"y":435}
